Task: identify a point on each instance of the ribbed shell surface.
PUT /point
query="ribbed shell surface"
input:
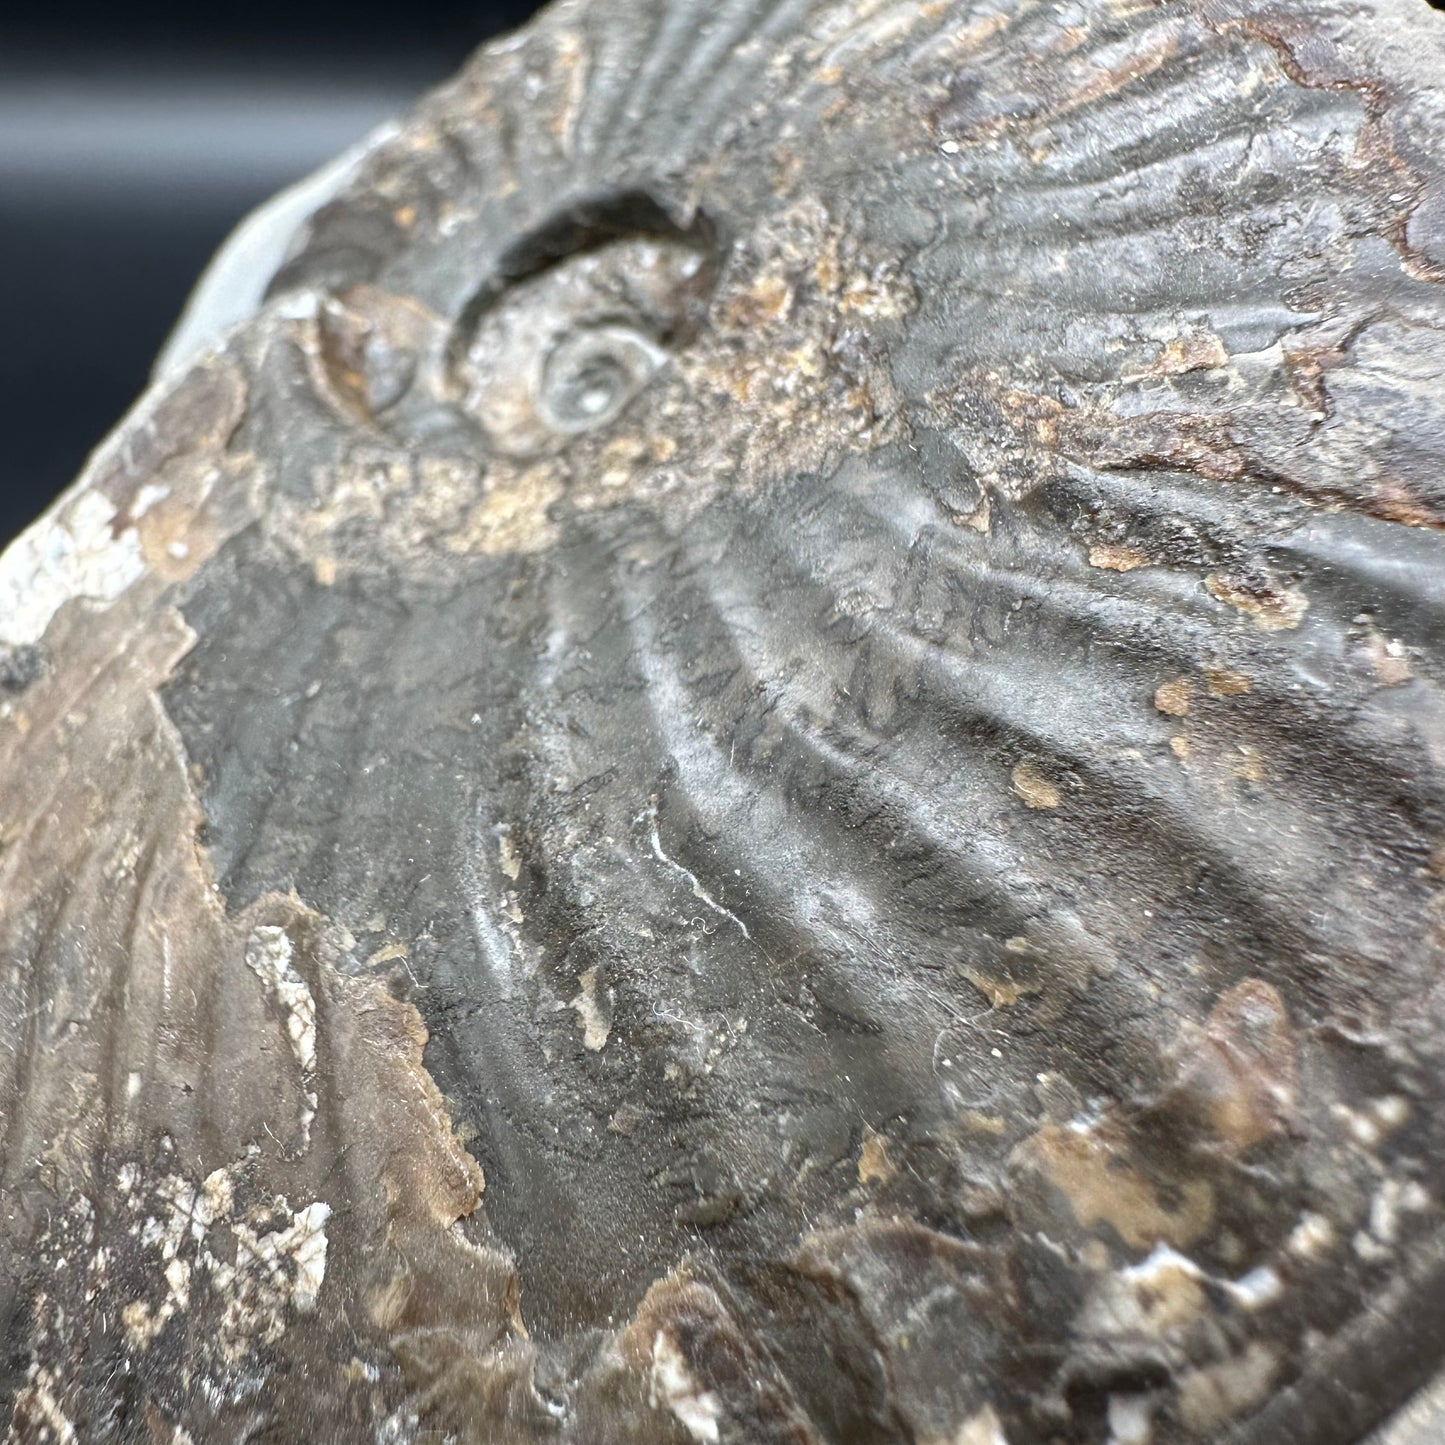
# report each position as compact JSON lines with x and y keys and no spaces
{"x":765,"y":762}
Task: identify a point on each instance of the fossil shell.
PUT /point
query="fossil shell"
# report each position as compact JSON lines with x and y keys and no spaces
{"x":763,"y":761}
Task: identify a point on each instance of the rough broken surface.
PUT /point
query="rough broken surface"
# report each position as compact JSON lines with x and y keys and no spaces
{"x":765,"y":763}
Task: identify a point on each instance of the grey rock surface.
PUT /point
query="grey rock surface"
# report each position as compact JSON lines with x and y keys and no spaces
{"x":762,"y":760}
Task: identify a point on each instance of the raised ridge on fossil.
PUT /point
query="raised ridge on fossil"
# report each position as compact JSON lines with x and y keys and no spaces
{"x":763,"y":761}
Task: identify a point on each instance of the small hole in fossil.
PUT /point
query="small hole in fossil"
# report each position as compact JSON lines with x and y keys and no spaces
{"x":577,"y":319}
{"x":588,"y":224}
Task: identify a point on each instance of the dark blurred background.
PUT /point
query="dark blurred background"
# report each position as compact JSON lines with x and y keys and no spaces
{"x":133,"y":136}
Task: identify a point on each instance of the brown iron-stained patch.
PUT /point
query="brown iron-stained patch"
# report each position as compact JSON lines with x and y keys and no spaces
{"x":993,"y":1126}
{"x":388,"y":501}
{"x":513,"y":515}
{"x":766,"y":300}
{"x":1021,"y":431}
{"x":1199,"y":351}
{"x":1172,"y":697}
{"x":1225,"y":681}
{"x":1272,"y":607}
{"x":1103,"y":1185}
{"x":1113,"y":557}
{"x":874,"y":1162}
{"x":1035,"y":786}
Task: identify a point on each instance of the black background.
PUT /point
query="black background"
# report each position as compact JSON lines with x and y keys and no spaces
{"x":133,"y":136}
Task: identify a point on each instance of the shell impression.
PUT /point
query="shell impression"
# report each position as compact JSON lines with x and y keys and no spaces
{"x":762,"y":760}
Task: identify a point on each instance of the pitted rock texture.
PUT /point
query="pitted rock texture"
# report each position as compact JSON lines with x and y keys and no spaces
{"x":764,"y":763}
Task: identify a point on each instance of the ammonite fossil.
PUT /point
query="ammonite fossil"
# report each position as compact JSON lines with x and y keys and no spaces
{"x":762,"y":760}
